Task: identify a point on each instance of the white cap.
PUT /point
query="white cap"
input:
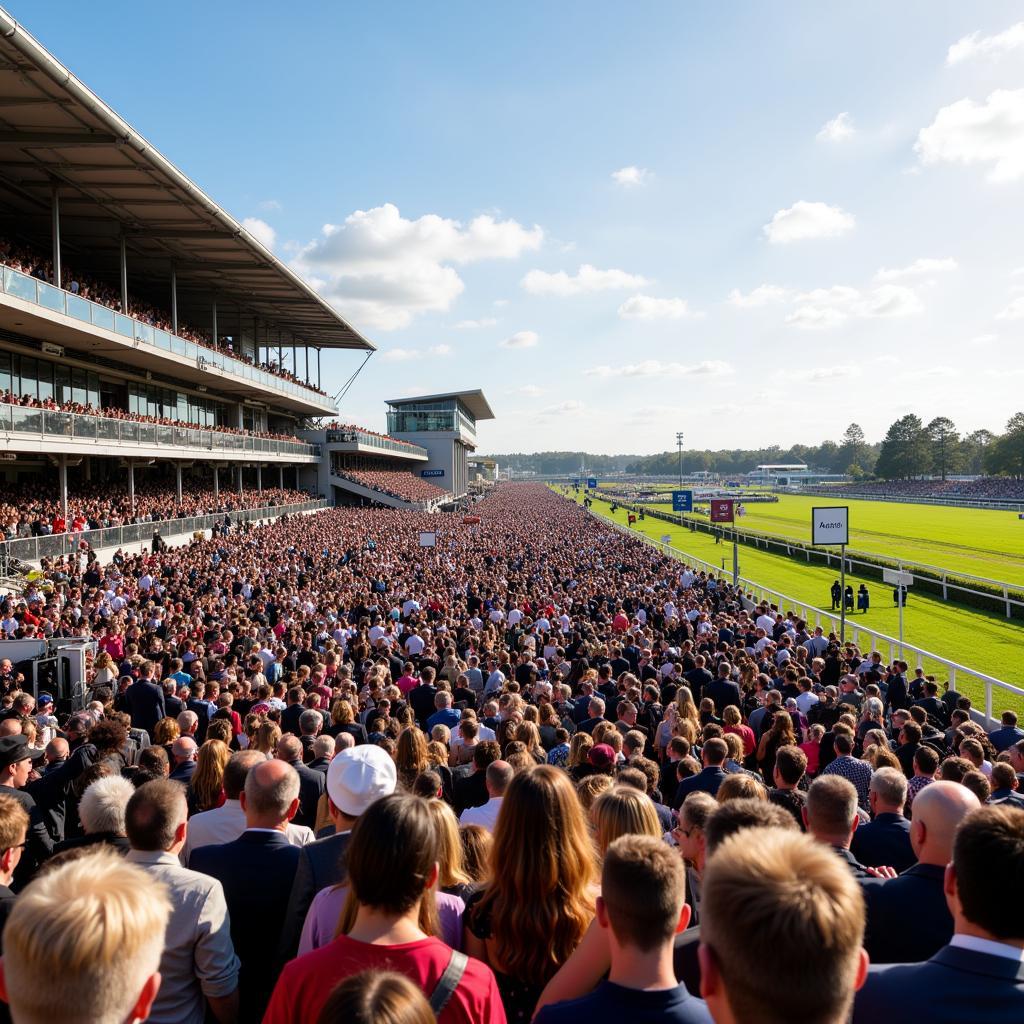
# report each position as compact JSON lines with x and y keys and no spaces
{"x":360,"y":776}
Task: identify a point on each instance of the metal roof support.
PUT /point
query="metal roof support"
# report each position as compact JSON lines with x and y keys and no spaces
{"x":215,"y":322}
{"x":55,"y":204}
{"x":124,"y":283}
{"x":174,"y":305}
{"x":318,"y":368}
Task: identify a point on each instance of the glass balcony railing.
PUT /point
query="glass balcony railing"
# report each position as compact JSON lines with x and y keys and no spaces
{"x":50,"y":423}
{"x":58,"y":300}
{"x":386,"y":444}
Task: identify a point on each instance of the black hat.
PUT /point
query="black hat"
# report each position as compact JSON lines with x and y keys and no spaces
{"x":15,"y":748}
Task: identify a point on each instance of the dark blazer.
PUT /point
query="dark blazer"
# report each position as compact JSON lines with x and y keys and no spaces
{"x":910,"y":920}
{"x":257,"y":871}
{"x":7,"y":901}
{"x":723,"y":692}
{"x":421,"y":700}
{"x":319,"y":764}
{"x":311,"y":786}
{"x":470,"y":791}
{"x":183,"y":772}
{"x":144,"y":700}
{"x":320,"y":864}
{"x":954,"y":986}
{"x":707,"y":781}
{"x":290,"y":718}
{"x":884,"y":841}
{"x":118,"y":843}
{"x":685,"y":964}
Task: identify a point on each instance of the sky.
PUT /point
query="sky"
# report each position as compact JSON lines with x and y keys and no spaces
{"x":750,"y":222}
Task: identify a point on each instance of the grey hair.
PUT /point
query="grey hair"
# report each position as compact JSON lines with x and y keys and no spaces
{"x":274,"y":799}
{"x":310,"y":721}
{"x":103,"y":805}
{"x":323,"y":746}
{"x":891,"y":786}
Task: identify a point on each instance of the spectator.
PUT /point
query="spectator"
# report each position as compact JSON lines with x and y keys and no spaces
{"x":790,"y":767}
{"x":885,"y":840}
{"x":13,"y":832}
{"x":372,"y":997}
{"x":848,"y":767}
{"x":101,"y":812}
{"x":498,"y":776}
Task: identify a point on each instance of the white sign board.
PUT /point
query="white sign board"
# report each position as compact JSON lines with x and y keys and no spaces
{"x":830,"y":525}
{"x":898,"y":578}
{"x":428,"y":540}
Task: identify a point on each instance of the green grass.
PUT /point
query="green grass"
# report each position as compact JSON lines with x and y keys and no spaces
{"x":979,"y":542}
{"x":985,"y":642}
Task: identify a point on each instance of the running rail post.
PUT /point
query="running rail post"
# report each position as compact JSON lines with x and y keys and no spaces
{"x":842,"y":584}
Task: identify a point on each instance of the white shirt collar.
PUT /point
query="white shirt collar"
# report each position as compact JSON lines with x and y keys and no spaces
{"x":989,"y":946}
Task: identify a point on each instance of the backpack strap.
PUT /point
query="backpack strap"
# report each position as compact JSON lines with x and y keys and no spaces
{"x":448,"y":982}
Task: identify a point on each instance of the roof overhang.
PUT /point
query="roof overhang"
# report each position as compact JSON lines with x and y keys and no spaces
{"x":474,"y":401}
{"x":55,"y":133}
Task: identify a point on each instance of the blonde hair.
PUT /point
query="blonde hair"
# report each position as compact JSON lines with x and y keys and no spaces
{"x":740,"y":787}
{"x":590,"y":787}
{"x":207,"y":780}
{"x":82,"y":941}
{"x":791,"y":893}
{"x":450,"y":869}
{"x":623,"y":811}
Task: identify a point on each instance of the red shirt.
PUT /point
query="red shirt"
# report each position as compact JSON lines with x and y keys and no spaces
{"x":746,"y":734}
{"x":620,"y":623}
{"x":306,"y":982}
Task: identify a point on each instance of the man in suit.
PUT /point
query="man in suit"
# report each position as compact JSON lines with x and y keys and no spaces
{"x":699,"y":679}
{"x":421,"y":697}
{"x":1004,"y":737}
{"x":293,"y":712}
{"x":979,"y":974}
{"x":595,"y":711}
{"x":355,"y":779}
{"x":471,"y":791}
{"x":322,"y":751}
{"x":184,"y":751}
{"x":144,"y":700}
{"x":723,"y":691}
{"x":311,"y":783}
{"x":885,"y":840}
{"x":910,"y":919}
{"x":257,"y":871}
{"x":713,"y":754}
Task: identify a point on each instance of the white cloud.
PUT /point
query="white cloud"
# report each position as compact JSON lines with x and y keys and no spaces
{"x":407,"y":355}
{"x":762,"y":295}
{"x":823,"y":308}
{"x":936,"y":371}
{"x":383,"y":269}
{"x":1017,"y":272}
{"x":260,"y":230}
{"x":647,"y":307}
{"x":992,"y":47}
{"x":657,"y":368}
{"x":471,"y":325}
{"x":839,"y":129}
{"x":968,"y":133}
{"x":919,"y":268}
{"x":529,"y":390}
{"x":1014,"y":311}
{"x":586,"y":279}
{"x":804,"y":220}
{"x":272,"y":205}
{"x":630,"y":177}
{"x":521,"y":339}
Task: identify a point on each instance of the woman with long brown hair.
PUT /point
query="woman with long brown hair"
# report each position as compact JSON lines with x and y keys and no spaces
{"x":206,"y":787}
{"x":781,"y":734}
{"x":539,"y":900}
{"x":411,"y":757}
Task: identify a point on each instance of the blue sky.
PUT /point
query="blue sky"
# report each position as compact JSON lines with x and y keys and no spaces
{"x":789,"y":216}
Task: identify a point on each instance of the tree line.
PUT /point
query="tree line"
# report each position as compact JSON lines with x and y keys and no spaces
{"x":910,"y":448}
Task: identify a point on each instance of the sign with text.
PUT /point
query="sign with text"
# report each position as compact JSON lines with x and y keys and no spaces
{"x":682,"y":501}
{"x":431,"y":472}
{"x":830,"y":525}
{"x":428,"y":540}
{"x":721,"y":510}
{"x":591,"y":481}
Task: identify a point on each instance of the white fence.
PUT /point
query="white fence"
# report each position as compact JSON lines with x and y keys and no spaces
{"x":866,"y":639}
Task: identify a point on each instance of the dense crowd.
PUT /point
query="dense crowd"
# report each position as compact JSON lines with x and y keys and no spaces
{"x":32,"y":264}
{"x":112,"y":412}
{"x":335,"y":426}
{"x":399,"y":483}
{"x":985,"y":488}
{"x":36,"y":510}
{"x":538,"y":771}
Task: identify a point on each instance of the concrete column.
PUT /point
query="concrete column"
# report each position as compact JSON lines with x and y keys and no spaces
{"x":239,"y":481}
{"x":216,"y":484}
{"x":63,"y":467}
{"x":259,"y":477}
{"x":280,"y":476}
{"x":55,"y":204}
{"x":318,"y":384}
{"x":174,"y":303}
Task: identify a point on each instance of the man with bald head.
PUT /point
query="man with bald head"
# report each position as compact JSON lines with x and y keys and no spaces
{"x":257,"y":871}
{"x":910,"y":918}
{"x":311,"y":783}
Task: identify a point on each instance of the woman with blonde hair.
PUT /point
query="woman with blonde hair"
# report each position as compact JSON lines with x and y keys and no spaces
{"x":539,"y":901}
{"x":266,"y":738}
{"x":206,"y":787}
{"x":528,"y":734}
{"x":687,"y":709}
{"x":452,"y":877}
{"x":166,"y":732}
{"x":376,"y":997}
{"x":623,"y":811}
{"x":740,"y":787}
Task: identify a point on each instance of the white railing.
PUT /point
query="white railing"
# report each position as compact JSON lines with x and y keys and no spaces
{"x":827,"y":620}
{"x":952,"y":500}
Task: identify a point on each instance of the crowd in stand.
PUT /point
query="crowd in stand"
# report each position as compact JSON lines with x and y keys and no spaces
{"x":36,"y":510}
{"x":538,"y":771}
{"x":398,"y":483}
{"x":343,"y":427}
{"x":30,"y":263}
{"x":985,"y":488}
{"x":27,"y":401}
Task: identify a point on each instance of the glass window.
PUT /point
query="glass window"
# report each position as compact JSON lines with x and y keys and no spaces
{"x":79,"y":381}
{"x":63,"y":383}
{"x":29,"y":376}
{"x":45,"y":381}
{"x":5,"y":371}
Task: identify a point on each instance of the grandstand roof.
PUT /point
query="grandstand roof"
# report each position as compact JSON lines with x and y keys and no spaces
{"x":55,"y":130}
{"x":474,"y":401}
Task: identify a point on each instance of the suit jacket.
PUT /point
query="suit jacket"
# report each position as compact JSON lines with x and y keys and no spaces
{"x":723,"y":692}
{"x":707,"y":781}
{"x":183,"y":772}
{"x":910,"y":920}
{"x":311,"y":785}
{"x":884,"y":841}
{"x":319,"y":764}
{"x":470,"y":791}
{"x":7,"y":901}
{"x":320,"y":864}
{"x":685,"y":964}
{"x":954,"y":986}
{"x":257,"y":871}
{"x":144,"y":700}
